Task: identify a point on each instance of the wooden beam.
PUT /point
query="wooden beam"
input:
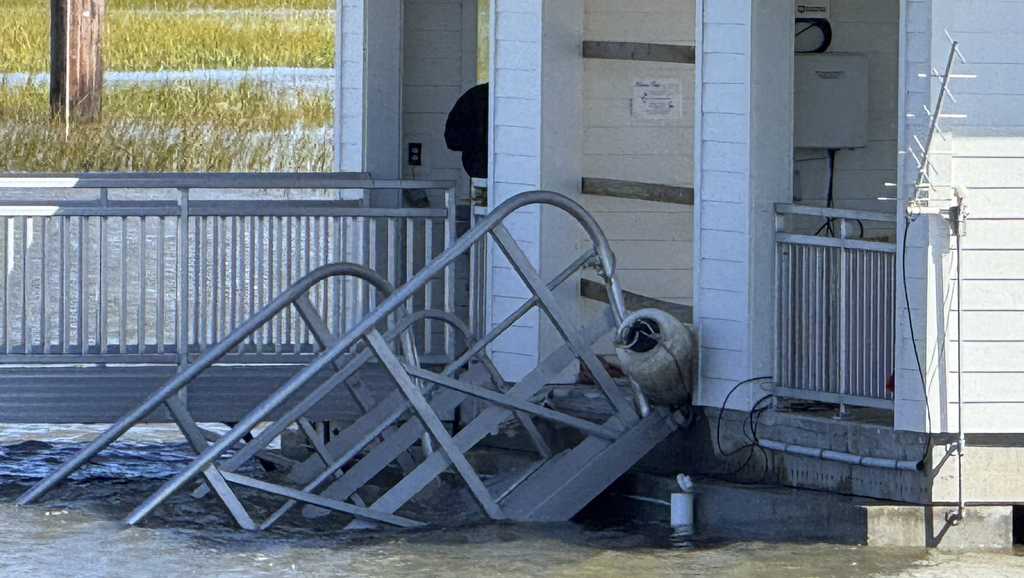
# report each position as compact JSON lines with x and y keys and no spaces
{"x":634,"y":301}
{"x":638,"y":191}
{"x":642,"y":51}
{"x":76,"y":63}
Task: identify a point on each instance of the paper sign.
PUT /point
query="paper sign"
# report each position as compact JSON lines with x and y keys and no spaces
{"x":657,"y":99}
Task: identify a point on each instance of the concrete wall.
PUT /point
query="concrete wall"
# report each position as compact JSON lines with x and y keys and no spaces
{"x":653,"y":241}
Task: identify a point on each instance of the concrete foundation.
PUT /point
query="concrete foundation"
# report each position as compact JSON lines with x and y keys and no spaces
{"x":729,"y":511}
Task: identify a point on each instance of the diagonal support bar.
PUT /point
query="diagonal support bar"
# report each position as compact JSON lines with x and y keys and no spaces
{"x":352,"y":510}
{"x":433,"y":424}
{"x":213,"y":476}
{"x":521,"y":263}
{"x":509,"y":402}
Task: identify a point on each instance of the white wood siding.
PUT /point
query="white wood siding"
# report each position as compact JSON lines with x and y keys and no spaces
{"x":439,"y":64}
{"x":652,"y":241}
{"x":986,"y":155}
{"x":515,"y":168}
{"x":722,"y":199}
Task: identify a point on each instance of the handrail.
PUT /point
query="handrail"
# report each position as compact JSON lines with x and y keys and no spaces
{"x":212,"y":181}
{"x":492,"y":224}
{"x":209,"y":358}
{"x":829,"y":212}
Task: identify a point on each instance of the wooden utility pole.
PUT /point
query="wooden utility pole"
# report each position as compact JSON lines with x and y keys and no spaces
{"x":76,"y":63}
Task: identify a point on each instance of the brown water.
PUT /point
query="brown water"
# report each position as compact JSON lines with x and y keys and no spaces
{"x":76,"y":531}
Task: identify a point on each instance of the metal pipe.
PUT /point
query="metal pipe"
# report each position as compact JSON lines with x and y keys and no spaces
{"x":842,"y":457}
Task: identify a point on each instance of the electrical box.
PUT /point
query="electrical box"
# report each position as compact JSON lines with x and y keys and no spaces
{"x":831,"y":101}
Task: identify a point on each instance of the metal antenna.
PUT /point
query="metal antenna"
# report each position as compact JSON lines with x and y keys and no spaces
{"x":922,"y":152}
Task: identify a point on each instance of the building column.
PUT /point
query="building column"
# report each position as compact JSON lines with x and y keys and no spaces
{"x":368,"y":98}
{"x":744,"y":160}
{"x":536,"y":143}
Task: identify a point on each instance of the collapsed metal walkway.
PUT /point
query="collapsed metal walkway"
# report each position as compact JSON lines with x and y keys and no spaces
{"x":406,"y":428}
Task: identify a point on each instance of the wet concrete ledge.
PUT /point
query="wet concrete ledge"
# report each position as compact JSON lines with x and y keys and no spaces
{"x":730,"y":511}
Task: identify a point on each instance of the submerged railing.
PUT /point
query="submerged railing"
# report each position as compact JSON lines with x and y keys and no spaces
{"x":140,"y":268}
{"x":835,"y":305}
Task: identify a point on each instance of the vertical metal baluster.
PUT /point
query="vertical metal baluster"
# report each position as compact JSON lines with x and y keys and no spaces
{"x":101,"y":289}
{"x":43,"y":221}
{"x":307,"y":258}
{"x":8,"y":265}
{"x":394,"y":263}
{"x":216,"y":272}
{"x":62,"y":301}
{"x":261,"y":277}
{"x":83,"y":280}
{"x":373,"y":259}
{"x":141,"y":318}
{"x":344,"y":281}
{"x":289,"y":278}
{"x":274,"y":341}
{"x":233,"y":321}
{"x":410,"y":257}
{"x":197,"y":281}
{"x":25,"y":224}
{"x":122,"y":316}
{"x":252,"y":276}
{"x":428,"y":288}
{"x":161,"y":282}
{"x":325,"y":259}
{"x":204,"y":294}
{"x":335,"y":281}
{"x":449,"y":271}
{"x":182,"y":270}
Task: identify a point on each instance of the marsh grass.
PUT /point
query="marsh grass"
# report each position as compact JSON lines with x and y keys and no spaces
{"x":149,"y":35}
{"x":179,"y":127}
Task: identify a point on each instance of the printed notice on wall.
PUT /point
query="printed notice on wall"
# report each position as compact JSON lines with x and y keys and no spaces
{"x":657,"y":99}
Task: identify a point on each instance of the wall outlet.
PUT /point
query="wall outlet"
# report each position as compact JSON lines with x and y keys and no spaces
{"x":415,"y":154}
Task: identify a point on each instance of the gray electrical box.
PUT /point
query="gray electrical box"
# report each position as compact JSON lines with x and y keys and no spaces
{"x":831,"y":101}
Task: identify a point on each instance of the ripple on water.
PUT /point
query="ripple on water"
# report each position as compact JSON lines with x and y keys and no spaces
{"x":75,"y":531}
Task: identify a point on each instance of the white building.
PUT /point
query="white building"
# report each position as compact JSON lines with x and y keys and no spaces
{"x":694,"y":103}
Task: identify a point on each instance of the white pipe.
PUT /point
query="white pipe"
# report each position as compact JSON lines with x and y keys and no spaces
{"x":842,"y":457}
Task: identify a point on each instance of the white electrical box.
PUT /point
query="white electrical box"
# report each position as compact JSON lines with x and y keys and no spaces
{"x":831,"y":101}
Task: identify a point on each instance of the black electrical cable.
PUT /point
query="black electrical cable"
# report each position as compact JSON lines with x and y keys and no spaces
{"x":831,"y":198}
{"x":721,"y":411}
{"x":821,"y":24}
{"x":913,"y":341}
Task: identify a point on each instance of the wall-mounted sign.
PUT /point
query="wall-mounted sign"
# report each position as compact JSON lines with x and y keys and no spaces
{"x":657,"y":99}
{"x":813,"y":9}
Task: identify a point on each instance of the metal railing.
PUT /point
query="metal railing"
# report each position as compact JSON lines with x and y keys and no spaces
{"x":515,"y":400}
{"x":835,"y":305}
{"x":140,"y":268}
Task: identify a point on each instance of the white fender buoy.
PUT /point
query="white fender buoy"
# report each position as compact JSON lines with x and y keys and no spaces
{"x":658,"y":352}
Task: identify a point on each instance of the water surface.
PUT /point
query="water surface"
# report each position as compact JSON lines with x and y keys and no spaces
{"x":76,"y":531}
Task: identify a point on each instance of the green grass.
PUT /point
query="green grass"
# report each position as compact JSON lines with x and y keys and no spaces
{"x":174,"y":127}
{"x":144,"y":40}
{"x":113,"y":5}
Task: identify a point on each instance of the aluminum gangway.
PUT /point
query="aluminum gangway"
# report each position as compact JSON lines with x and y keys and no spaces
{"x":559,"y":482}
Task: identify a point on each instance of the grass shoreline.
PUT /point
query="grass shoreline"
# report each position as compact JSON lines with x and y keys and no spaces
{"x":180,"y":127}
{"x":138,"y":39}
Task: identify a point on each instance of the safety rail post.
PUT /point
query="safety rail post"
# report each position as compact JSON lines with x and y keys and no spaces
{"x":181,"y":259}
{"x":450,"y":232}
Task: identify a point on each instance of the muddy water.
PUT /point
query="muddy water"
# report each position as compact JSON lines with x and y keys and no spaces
{"x":76,"y":532}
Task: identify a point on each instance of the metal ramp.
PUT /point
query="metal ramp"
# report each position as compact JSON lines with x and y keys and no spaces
{"x":406,"y":428}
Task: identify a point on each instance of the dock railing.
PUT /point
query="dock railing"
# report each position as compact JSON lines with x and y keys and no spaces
{"x":157,"y":268}
{"x":835,"y":305}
